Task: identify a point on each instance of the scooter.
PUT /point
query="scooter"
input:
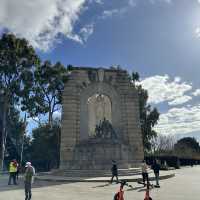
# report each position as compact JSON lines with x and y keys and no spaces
{"x":147,"y":195}
{"x":120,"y":193}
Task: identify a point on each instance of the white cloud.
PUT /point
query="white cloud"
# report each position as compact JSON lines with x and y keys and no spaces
{"x":99,"y":1}
{"x":113,"y":12}
{"x":163,"y":89}
{"x":196,"y":92}
{"x":197,"y":32}
{"x":83,"y":34}
{"x":109,"y":13}
{"x":180,"y":100}
{"x":164,"y":1}
{"x":177,"y":79}
{"x":34,"y":119}
{"x":132,"y":3}
{"x":96,"y":1}
{"x":41,"y":21}
{"x":180,"y":120}
{"x":57,"y":114}
{"x":86,"y":31}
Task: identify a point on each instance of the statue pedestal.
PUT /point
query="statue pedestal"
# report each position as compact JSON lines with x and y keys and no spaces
{"x":97,"y":154}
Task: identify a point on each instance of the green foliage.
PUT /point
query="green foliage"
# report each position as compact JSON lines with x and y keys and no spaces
{"x":17,"y":61}
{"x":34,"y":86}
{"x":15,"y":128}
{"x":47,"y":90}
{"x":187,"y":147}
{"x":135,"y":76}
{"x":15,"y":131}
{"x":148,"y":116}
{"x":189,"y":142}
{"x":45,"y":146}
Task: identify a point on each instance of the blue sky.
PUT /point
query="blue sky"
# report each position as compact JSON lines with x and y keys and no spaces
{"x":158,"y":38}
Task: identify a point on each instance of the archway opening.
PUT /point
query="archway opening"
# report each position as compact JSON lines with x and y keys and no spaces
{"x":99,"y":108}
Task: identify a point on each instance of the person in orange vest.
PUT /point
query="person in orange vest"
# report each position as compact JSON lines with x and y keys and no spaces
{"x":12,"y":172}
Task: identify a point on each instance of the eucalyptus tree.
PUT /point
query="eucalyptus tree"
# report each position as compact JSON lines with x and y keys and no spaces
{"x":148,"y":116}
{"x":46,"y":96}
{"x":45,"y":146}
{"x":17,"y":62}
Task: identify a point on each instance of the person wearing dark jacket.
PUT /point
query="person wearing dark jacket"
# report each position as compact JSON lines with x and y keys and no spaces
{"x":156,"y":169}
{"x":114,"y":171}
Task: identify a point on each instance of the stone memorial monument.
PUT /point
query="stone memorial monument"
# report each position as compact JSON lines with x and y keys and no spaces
{"x":100,"y":121}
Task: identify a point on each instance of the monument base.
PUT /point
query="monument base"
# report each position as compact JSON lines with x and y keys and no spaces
{"x":95,"y":173}
{"x":98,"y":154}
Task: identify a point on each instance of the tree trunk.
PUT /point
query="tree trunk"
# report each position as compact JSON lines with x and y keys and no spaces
{"x":50,"y":119}
{"x":4,"y":134}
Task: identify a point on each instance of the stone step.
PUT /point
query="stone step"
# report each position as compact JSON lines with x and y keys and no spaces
{"x":53,"y":178}
{"x":96,"y":173}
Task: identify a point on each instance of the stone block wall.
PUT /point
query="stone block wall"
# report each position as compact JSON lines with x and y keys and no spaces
{"x":85,"y":82}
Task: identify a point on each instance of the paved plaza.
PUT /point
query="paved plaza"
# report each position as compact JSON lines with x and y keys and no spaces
{"x":184,"y":186}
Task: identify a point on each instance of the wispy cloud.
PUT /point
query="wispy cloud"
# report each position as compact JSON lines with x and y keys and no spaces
{"x":114,"y":12}
{"x":196,"y":92}
{"x":197,"y":32}
{"x":180,"y":100}
{"x":161,"y":1}
{"x":181,"y":117}
{"x":101,"y":2}
{"x":132,"y":3}
{"x":180,"y":120}
{"x":86,"y":31}
{"x":57,"y":115}
{"x":41,"y":21}
{"x":163,"y":89}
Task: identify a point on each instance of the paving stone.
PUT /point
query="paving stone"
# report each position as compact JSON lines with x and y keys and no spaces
{"x":184,"y":186}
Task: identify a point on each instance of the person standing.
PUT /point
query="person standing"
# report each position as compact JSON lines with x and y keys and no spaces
{"x":156,"y":169}
{"x":12,"y":172}
{"x":145,"y":175}
{"x":28,"y":180}
{"x":114,"y":171}
{"x":17,"y":169}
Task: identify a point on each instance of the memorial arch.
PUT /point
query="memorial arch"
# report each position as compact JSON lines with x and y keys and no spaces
{"x":100,"y":120}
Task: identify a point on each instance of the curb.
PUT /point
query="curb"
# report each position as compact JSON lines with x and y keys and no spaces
{"x":102,"y":180}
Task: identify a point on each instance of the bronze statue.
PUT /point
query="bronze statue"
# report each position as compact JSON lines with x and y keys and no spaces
{"x":105,"y":130}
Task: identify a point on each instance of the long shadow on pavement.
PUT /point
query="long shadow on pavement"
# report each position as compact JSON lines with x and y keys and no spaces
{"x":104,"y":185}
{"x":37,"y":184}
